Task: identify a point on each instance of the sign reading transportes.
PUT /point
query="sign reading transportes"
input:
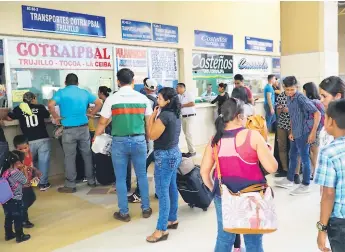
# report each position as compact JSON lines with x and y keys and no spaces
{"x":213,"y":40}
{"x":165,"y":33}
{"x":258,"y":44}
{"x":136,"y":30}
{"x":45,"y":54}
{"x":64,"y":22}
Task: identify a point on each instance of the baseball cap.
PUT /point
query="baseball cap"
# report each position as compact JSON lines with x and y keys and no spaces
{"x":151,"y":84}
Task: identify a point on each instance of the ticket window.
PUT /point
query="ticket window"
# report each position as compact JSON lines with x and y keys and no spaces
{"x":3,"y":97}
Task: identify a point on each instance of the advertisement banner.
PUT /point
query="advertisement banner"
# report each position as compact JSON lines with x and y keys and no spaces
{"x":164,"y":66}
{"x":276,"y":65}
{"x":213,"y":40}
{"x":258,"y":44}
{"x":134,"y":58}
{"x":252,"y":65}
{"x":165,"y":33}
{"x":136,"y":30}
{"x":212,"y":65}
{"x":49,"y":54}
{"x":64,"y":22}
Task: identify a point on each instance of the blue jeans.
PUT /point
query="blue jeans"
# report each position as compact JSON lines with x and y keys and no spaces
{"x":226,"y":240}
{"x":300,"y":147}
{"x":166,"y":164}
{"x":3,"y":152}
{"x":130,"y":148}
{"x":270,"y":119}
{"x":40,"y":150}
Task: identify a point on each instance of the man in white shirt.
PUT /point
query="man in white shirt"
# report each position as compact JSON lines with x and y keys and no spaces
{"x":188,"y":114}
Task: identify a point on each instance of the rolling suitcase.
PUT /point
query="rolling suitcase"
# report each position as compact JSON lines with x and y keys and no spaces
{"x":104,"y":169}
{"x":193,"y":190}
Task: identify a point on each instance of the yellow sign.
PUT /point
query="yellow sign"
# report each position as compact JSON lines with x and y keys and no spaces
{"x":17,"y":95}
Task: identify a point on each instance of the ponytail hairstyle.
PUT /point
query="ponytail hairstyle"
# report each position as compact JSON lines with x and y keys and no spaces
{"x":28,"y":97}
{"x":104,"y":90}
{"x":12,"y":158}
{"x":333,"y":85}
{"x":174,"y":105}
{"x":230,"y":109}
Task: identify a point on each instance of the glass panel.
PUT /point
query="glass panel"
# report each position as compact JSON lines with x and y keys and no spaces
{"x":45,"y":82}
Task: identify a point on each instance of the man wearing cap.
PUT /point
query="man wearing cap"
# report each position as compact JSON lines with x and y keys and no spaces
{"x":130,"y":112}
{"x":188,"y":114}
{"x":31,"y":121}
{"x":73,"y":103}
{"x":150,"y":88}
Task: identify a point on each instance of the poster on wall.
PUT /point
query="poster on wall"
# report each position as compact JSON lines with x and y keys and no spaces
{"x":136,"y":30}
{"x":212,"y":69}
{"x":49,"y":54}
{"x":254,"y":69}
{"x":134,"y":58}
{"x":64,"y":22}
{"x":164,"y":66}
{"x":258,"y":44}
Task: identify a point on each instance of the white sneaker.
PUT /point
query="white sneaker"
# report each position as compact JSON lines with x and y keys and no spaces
{"x":301,"y":190}
{"x":284,"y":183}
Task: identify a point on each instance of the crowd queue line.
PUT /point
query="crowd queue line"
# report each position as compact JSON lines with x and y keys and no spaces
{"x":140,"y":123}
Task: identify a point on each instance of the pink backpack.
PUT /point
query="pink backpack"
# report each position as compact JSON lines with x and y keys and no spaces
{"x":6,"y":191}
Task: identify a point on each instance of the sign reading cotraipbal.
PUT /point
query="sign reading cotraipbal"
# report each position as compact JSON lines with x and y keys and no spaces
{"x":56,"y":21}
{"x":256,"y":65}
{"x":213,"y":40}
{"x":50,"y":54}
{"x":212,"y":65}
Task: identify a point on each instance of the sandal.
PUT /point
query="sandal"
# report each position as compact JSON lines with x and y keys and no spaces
{"x":173,"y":225}
{"x":153,"y":239}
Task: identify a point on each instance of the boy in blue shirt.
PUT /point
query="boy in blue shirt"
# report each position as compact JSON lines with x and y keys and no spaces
{"x":330,"y":174}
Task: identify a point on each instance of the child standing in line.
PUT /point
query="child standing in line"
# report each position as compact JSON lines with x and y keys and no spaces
{"x":330,"y":174}
{"x":13,"y":207}
{"x":32,"y":174}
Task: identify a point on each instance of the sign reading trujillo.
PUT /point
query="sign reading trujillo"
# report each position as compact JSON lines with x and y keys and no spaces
{"x":58,"y":55}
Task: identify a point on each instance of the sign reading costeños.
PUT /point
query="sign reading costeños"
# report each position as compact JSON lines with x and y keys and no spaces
{"x":212,"y":63}
{"x":213,"y":40}
{"x":56,"y":21}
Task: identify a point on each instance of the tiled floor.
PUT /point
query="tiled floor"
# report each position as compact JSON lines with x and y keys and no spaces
{"x":83,"y":222}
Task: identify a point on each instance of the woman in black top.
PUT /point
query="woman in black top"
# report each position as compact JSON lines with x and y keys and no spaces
{"x":222,"y":97}
{"x":164,"y":129}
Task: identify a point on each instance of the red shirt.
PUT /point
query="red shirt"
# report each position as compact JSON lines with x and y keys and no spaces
{"x":249,"y":93}
{"x":28,"y":165}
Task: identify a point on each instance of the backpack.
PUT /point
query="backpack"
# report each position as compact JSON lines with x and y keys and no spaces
{"x":6,"y":191}
{"x":257,"y":122}
{"x":154,"y":100}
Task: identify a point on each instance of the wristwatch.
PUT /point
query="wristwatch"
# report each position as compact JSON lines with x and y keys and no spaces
{"x":321,"y":227}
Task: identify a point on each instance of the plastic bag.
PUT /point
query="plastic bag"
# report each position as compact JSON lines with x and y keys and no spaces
{"x":102,"y":144}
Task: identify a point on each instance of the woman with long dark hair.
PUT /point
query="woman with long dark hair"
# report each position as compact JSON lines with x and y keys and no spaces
{"x":241,"y":94}
{"x":164,"y":129}
{"x":310,"y":90}
{"x":239,"y":152}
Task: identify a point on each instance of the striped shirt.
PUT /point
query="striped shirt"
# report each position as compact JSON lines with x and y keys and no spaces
{"x":299,"y":108}
{"x":16,"y":180}
{"x":128,"y":109}
{"x":330,"y":173}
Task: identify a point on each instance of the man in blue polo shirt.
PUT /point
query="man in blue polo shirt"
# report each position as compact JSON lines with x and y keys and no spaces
{"x":73,"y":103}
{"x":269,"y":100}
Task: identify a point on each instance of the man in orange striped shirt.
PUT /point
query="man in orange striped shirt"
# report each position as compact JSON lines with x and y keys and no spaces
{"x":130,"y":112}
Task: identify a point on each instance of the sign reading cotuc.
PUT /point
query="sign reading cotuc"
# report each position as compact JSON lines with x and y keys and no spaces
{"x":54,"y":55}
{"x":56,"y":21}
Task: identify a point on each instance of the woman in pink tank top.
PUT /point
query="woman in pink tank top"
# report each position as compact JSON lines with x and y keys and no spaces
{"x":239,"y":153}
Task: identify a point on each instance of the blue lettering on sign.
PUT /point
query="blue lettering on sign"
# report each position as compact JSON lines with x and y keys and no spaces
{"x":64,"y":22}
{"x":257,"y":44}
{"x":165,"y":33}
{"x":244,"y":64}
{"x":213,"y":40}
{"x":136,"y":30}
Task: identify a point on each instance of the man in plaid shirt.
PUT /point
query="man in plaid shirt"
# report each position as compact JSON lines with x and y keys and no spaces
{"x":330,"y":174}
